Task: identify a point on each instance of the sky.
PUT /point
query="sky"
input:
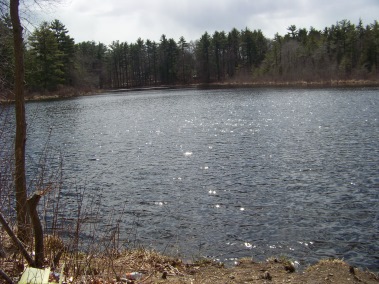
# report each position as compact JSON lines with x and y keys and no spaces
{"x":127,"y":20}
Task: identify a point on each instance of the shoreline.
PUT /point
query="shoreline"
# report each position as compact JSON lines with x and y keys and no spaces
{"x":70,"y":92}
{"x":296,"y":84}
{"x":153,"y":267}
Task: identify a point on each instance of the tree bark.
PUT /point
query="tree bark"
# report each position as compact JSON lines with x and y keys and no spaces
{"x":37,"y":227}
{"x":20,"y":180}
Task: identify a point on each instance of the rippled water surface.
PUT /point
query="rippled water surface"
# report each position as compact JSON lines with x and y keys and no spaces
{"x":227,"y":173}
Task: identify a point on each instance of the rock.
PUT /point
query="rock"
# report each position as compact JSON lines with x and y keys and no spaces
{"x":267,"y":276}
{"x":164,"y":275}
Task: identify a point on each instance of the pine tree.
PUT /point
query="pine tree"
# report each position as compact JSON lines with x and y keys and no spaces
{"x":47,"y":73}
{"x":233,"y":52}
{"x":219,"y":53}
{"x":204,"y":58}
{"x":6,"y":55}
{"x":66,"y":46}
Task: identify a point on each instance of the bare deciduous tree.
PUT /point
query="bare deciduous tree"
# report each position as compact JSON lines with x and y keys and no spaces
{"x":19,"y":176}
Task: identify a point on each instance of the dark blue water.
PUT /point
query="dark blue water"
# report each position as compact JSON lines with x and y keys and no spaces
{"x":224,"y":173}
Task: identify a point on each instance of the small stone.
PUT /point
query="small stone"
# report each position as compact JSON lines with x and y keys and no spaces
{"x":289,"y":268}
{"x":164,"y":275}
{"x":267,"y":276}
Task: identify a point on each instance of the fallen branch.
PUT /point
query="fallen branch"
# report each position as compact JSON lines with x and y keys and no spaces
{"x":5,"y":276}
{"x":16,"y":241}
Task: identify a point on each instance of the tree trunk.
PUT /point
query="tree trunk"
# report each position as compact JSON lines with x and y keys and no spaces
{"x":20,"y":180}
{"x":37,"y":228}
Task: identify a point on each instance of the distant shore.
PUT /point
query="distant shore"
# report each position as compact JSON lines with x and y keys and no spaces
{"x":71,"y":92}
{"x":301,"y":84}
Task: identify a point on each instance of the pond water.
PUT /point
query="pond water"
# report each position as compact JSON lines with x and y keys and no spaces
{"x":224,"y":173}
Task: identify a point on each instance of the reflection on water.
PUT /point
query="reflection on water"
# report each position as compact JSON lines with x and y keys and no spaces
{"x":228,"y":173}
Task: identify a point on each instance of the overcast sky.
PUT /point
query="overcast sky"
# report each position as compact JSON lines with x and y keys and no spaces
{"x":127,"y":20}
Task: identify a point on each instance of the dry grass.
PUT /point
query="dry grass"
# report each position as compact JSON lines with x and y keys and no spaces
{"x":157,"y":268}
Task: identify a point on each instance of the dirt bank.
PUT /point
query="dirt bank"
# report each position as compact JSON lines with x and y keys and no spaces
{"x":157,"y":268}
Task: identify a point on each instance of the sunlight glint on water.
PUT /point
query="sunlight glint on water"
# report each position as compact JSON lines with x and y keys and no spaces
{"x":227,"y":173}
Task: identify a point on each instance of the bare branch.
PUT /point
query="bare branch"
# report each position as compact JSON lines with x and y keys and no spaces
{"x":16,"y":241}
{"x":6,"y":277}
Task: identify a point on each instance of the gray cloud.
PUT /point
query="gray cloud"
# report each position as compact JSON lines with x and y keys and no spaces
{"x":126,"y":20}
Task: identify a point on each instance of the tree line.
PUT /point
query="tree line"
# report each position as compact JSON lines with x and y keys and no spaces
{"x":343,"y":51}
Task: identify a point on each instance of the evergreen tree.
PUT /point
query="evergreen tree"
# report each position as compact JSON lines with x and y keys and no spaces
{"x":261,"y":47}
{"x":66,"y":46}
{"x":115,"y":64}
{"x":371,"y":51}
{"x":152,"y":54}
{"x":172,"y":59}
{"x":163,"y":60}
{"x":292,"y":31}
{"x":125,"y":63}
{"x":90,"y":64}
{"x":137,"y":57}
{"x":203,"y":57}
{"x":6,"y":54}
{"x":47,"y":59}
{"x":248,"y":49}
{"x":219,"y":52}
{"x":182,"y":60}
{"x":233,"y":52}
